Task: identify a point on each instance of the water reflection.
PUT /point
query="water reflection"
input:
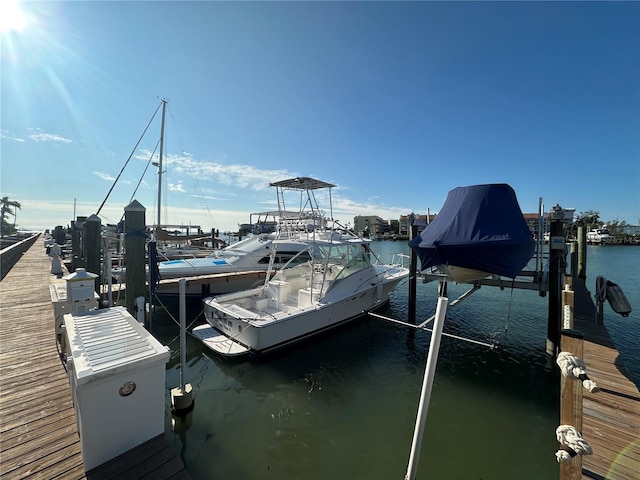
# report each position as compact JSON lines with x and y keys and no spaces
{"x":343,"y":405}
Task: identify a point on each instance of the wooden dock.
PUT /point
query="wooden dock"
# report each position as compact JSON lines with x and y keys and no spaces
{"x":39,"y":438}
{"x":611,"y":417}
{"x":38,"y":433}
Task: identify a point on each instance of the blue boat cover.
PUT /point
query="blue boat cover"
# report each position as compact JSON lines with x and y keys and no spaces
{"x":479,"y":227}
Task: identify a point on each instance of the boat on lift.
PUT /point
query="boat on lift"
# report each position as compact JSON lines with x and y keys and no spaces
{"x":335,"y":278}
{"x":479,"y":232}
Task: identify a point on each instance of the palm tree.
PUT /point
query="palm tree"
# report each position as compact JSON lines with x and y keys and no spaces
{"x":6,"y":207}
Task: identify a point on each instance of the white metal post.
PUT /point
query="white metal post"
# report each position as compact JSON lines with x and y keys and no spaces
{"x":427,"y":386}
{"x":183,"y":328}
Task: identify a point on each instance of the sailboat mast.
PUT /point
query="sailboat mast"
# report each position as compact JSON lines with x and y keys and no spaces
{"x":164,"y":107}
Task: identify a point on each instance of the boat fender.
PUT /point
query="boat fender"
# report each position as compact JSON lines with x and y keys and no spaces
{"x":617,"y":299}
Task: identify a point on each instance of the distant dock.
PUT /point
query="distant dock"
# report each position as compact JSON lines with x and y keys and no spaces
{"x":38,"y":433}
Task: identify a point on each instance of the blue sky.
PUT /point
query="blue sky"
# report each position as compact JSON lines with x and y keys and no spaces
{"x":394,"y":102}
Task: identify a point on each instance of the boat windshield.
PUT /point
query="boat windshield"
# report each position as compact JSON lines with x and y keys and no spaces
{"x":341,"y":260}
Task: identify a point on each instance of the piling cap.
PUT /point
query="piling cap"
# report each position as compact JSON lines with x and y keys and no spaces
{"x":79,"y":275}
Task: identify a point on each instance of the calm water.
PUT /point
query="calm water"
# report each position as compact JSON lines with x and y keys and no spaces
{"x":344,"y":405}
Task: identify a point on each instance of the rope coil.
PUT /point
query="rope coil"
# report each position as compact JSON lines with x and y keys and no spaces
{"x":574,"y":368}
{"x":573,"y":442}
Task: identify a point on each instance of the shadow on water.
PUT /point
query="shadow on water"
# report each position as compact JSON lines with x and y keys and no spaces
{"x":344,"y":403}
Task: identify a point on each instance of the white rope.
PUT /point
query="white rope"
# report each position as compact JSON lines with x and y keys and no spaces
{"x":574,"y":368}
{"x":571,"y":438}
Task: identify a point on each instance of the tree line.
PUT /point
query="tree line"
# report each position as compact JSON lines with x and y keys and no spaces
{"x":591,"y":220}
{"x":8,"y":207}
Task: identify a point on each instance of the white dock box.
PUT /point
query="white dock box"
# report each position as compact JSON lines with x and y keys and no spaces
{"x":117,"y":377}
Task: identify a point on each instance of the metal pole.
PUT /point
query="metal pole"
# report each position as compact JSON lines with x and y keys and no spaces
{"x":413,"y":273}
{"x":164,"y":107}
{"x":182,"y":283}
{"x":539,"y":239}
{"x":107,"y":263}
{"x":152,"y":255}
{"x":427,"y":386}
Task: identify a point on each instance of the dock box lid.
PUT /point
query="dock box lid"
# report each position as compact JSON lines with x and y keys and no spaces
{"x":105,"y":342}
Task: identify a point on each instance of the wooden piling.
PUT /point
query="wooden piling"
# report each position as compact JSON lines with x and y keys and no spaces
{"x":92,"y":246}
{"x":573,"y":252}
{"x":572,"y":341}
{"x":77,"y":260}
{"x":568,"y":302}
{"x":582,"y":252}
{"x":134,"y":240}
{"x":556,"y":253}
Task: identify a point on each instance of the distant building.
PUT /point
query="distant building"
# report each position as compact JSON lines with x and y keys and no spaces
{"x":629,"y":230}
{"x":369,"y":226}
{"x":532,"y":223}
{"x":404,"y":224}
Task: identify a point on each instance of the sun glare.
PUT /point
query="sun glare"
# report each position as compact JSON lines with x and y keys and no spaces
{"x":11,"y":16}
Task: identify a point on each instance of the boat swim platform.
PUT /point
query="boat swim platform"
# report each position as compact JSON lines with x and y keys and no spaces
{"x":611,"y":417}
{"x":38,"y":432}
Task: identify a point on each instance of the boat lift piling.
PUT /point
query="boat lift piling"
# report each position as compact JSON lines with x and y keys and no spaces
{"x":413,"y":272}
{"x":557,"y":260}
{"x":92,"y":245}
{"x":135,"y":275}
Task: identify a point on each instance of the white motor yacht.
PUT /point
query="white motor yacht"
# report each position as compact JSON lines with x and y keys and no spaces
{"x":333,"y":279}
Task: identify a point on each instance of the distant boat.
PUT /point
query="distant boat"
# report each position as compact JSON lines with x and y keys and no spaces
{"x":250,"y":254}
{"x":600,"y":236}
{"x":480,"y":231}
{"x":333,"y":279}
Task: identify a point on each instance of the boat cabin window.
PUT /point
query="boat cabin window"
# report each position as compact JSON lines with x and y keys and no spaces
{"x":284,"y":257}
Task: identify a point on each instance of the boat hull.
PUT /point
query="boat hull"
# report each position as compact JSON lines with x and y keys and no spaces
{"x":264,"y":332}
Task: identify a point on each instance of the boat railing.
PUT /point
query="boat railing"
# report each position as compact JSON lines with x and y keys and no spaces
{"x":396,"y":259}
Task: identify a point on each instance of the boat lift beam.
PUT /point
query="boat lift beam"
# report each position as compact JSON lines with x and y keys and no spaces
{"x":498,"y":282}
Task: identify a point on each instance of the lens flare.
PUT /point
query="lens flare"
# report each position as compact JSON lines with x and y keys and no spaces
{"x":12,"y":17}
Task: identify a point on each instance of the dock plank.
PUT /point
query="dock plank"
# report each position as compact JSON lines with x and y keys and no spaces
{"x":38,"y":431}
{"x":611,"y":417}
